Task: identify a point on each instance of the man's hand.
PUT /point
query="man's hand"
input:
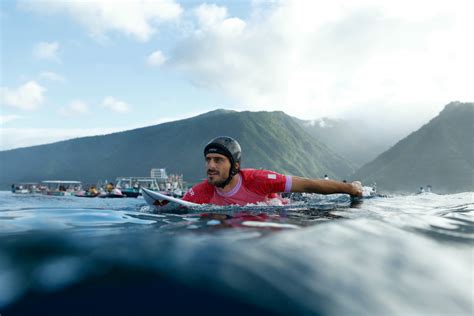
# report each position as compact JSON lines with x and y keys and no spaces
{"x":357,"y":189}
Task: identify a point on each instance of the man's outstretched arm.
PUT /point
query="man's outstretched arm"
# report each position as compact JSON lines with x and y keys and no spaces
{"x":325,"y":186}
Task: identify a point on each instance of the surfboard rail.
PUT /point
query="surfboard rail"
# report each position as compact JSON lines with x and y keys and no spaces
{"x":165,"y":202}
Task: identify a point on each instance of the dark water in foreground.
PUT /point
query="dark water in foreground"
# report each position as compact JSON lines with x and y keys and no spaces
{"x":406,"y":255}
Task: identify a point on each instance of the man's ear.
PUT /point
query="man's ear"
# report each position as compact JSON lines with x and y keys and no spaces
{"x":237,"y":165}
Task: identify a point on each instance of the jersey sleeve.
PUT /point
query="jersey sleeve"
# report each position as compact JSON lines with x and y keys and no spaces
{"x":267,"y":182}
{"x":201,"y":193}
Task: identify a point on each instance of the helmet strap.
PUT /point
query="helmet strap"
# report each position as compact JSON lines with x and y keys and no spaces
{"x":232,"y":172}
{"x":226,"y":182}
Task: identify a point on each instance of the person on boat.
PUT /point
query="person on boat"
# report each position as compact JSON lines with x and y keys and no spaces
{"x":93,"y":191}
{"x":227,"y":184}
{"x":109,"y":187}
{"x":116,"y":191}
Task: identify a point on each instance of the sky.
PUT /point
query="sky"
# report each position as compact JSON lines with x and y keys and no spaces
{"x":73,"y":68}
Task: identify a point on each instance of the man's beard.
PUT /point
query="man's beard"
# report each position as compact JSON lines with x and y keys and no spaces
{"x":219,"y":184}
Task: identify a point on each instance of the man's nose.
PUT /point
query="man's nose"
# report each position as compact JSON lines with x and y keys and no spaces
{"x":210,"y":163}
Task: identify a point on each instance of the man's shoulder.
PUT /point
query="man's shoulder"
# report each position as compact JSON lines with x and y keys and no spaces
{"x":199,"y":193}
{"x":248,"y":172}
{"x":263,"y":181}
{"x":258,"y":175}
{"x":203,"y":186}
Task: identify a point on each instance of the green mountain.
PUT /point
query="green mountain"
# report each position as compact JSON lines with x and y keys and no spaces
{"x":271,"y":140}
{"x":440,"y":154}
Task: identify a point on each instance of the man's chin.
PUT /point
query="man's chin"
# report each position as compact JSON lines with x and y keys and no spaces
{"x":214,"y":182}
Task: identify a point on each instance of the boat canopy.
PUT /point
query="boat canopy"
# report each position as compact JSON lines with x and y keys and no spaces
{"x":60,"y":182}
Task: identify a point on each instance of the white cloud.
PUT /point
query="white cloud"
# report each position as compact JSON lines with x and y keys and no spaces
{"x":172,"y":118}
{"x":46,"y":51}
{"x":210,"y":14}
{"x":11,"y":138}
{"x":156,"y":59}
{"x":115,"y":105}
{"x":139,"y":19}
{"x":8,"y":118}
{"x":52,"y":76}
{"x":321,"y":122}
{"x":74,"y":108}
{"x":28,"y":96}
{"x":214,"y":19}
{"x":369,"y":59}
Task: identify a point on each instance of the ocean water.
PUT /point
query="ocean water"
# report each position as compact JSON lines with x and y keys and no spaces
{"x":400,"y":255}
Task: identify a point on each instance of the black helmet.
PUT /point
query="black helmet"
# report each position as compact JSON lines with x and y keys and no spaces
{"x":228,"y":147}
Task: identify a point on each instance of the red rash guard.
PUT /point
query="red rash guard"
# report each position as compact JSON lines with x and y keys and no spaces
{"x":253,"y":186}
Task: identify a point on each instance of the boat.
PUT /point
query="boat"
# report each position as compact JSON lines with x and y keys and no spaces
{"x":89,"y":191}
{"x":158,"y":181}
{"x":111,"y":195}
{"x":172,"y":184}
{"x":25,"y":188}
{"x":131,"y":186}
{"x":60,"y":187}
{"x":86,"y":194}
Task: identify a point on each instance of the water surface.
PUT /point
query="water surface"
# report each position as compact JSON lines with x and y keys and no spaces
{"x":402,"y":255}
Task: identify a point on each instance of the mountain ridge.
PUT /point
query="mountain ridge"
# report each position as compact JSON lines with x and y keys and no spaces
{"x":270,"y":140}
{"x":439,"y":154}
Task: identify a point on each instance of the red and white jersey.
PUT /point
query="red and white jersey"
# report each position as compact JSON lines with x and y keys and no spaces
{"x":253,"y":186}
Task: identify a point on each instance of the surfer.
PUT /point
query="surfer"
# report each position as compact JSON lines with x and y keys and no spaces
{"x":227,"y":184}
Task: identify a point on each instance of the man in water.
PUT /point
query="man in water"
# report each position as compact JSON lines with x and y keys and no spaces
{"x":227,"y":184}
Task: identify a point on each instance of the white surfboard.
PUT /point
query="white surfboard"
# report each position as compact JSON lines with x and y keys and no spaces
{"x":163,"y":202}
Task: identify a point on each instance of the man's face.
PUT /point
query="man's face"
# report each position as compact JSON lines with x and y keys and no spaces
{"x":217,"y":168}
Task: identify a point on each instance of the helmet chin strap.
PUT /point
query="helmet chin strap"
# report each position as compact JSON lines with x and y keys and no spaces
{"x":232,"y":173}
{"x":224,"y":183}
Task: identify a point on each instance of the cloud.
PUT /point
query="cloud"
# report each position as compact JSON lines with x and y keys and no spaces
{"x":79,"y":107}
{"x":371,"y":59}
{"x":214,"y":19}
{"x":210,"y":14}
{"x":74,"y":108}
{"x":321,"y":122}
{"x":172,"y":118}
{"x":115,"y":105}
{"x":139,"y":19}
{"x":156,"y":59}
{"x":11,"y":138}
{"x":46,"y":51}
{"x":27,"y":97}
{"x":52,"y":76}
{"x":8,"y":118}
